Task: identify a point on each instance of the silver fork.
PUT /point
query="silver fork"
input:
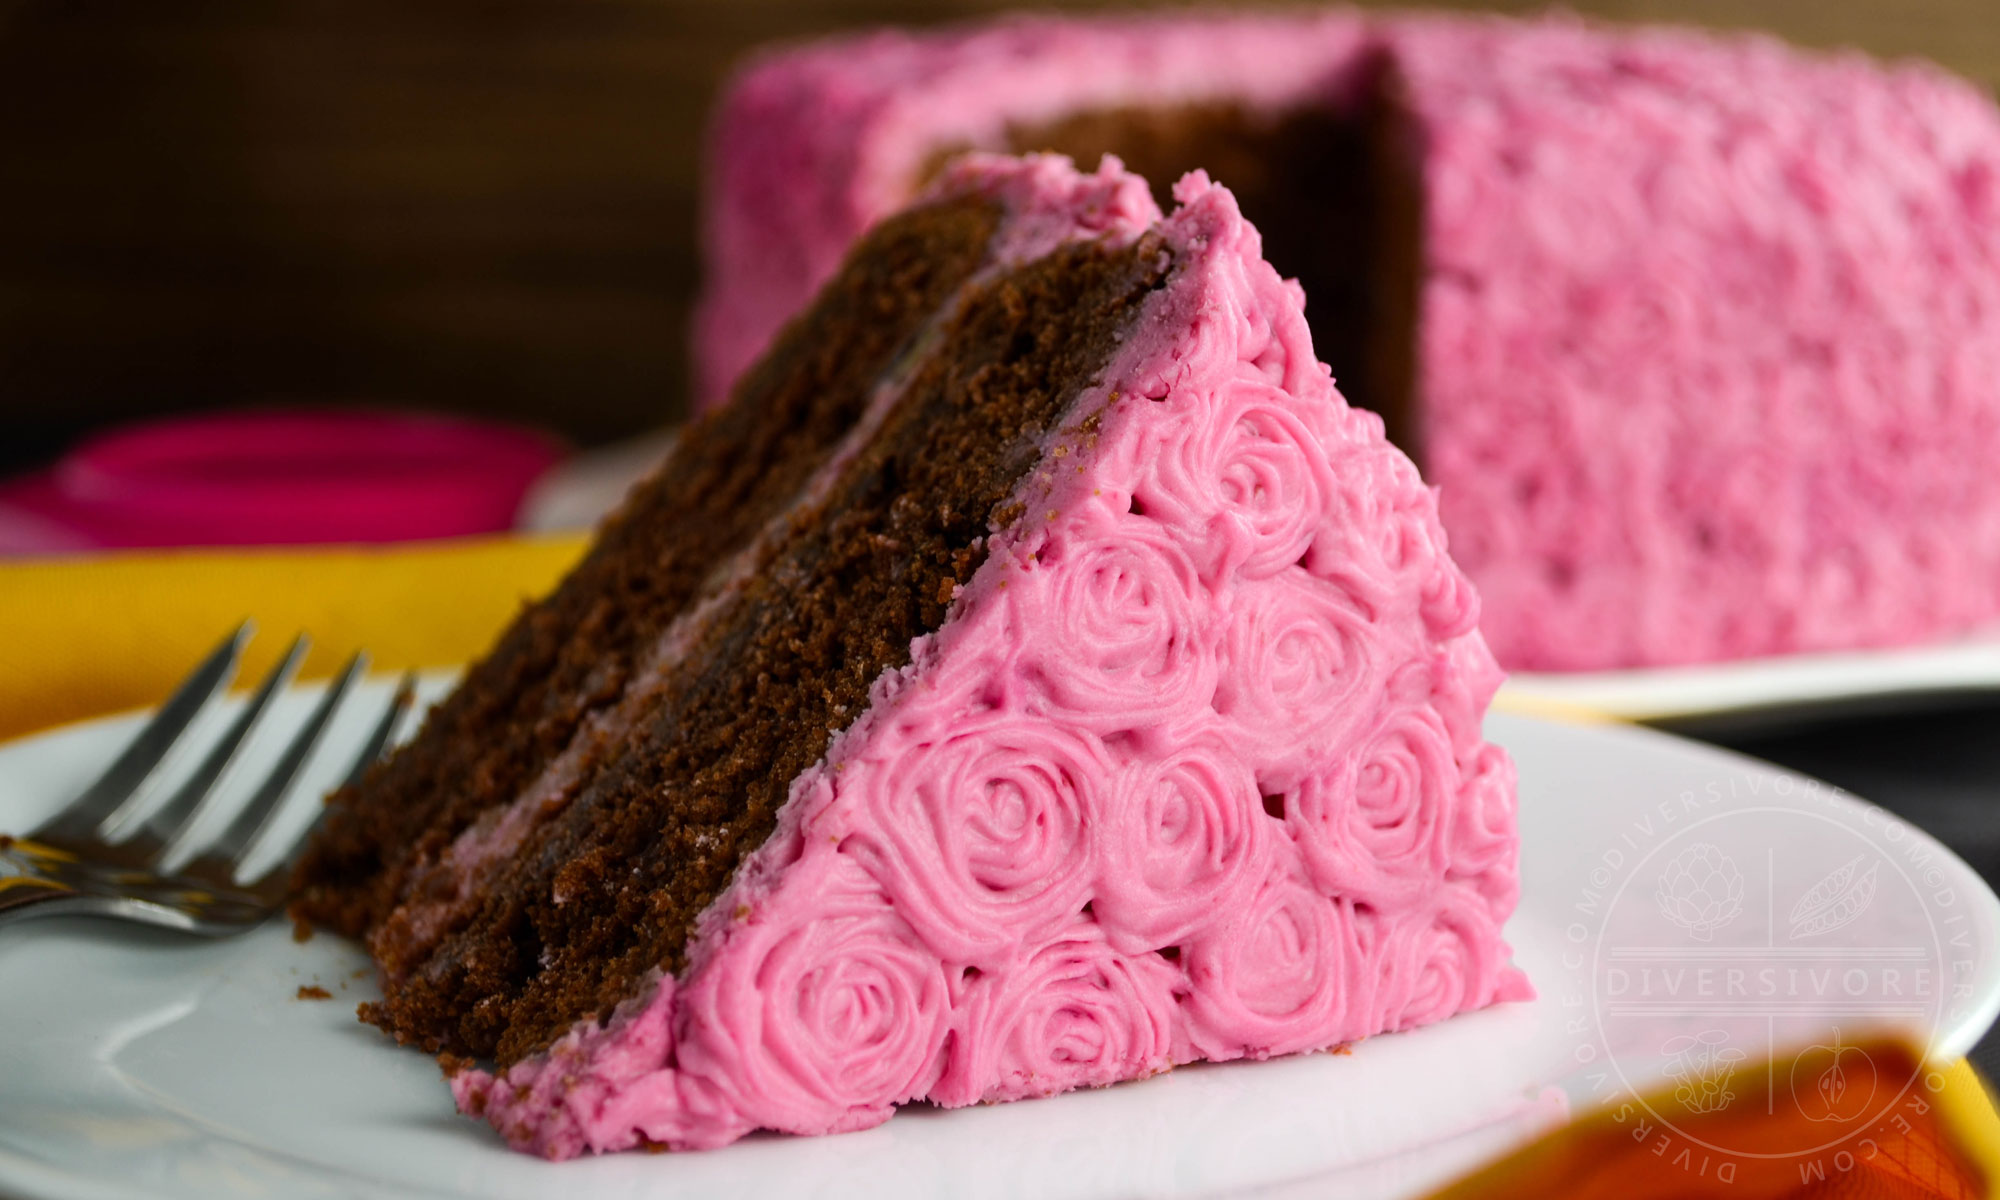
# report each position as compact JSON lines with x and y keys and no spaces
{"x":69,"y":865}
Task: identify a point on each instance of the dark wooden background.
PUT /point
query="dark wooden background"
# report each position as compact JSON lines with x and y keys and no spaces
{"x":484,"y":206}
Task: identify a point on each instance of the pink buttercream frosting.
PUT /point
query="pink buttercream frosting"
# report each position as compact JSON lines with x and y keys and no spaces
{"x":1192,"y":770}
{"x":1709,"y":330}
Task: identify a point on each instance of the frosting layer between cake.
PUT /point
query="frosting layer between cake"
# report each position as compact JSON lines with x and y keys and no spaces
{"x":1192,"y":769}
{"x":1707,"y":345}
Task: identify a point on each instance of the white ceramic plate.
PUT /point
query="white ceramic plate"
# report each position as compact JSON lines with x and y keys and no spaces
{"x":142,"y":1063}
{"x":1774,"y":689}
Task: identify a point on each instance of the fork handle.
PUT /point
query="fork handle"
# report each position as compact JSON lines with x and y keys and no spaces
{"x":26,"y":896}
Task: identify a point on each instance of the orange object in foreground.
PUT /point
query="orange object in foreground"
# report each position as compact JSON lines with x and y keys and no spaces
{"x":1852,"y":1121}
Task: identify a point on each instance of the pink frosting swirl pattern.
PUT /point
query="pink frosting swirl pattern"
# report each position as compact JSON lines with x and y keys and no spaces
{"x":1112,"y":631}
{"x":1378,"y":826}
{"x":1299,"y":649}
{"x":1382,"y":544}
{"x":1183,"y":837}
{"x":1279,"y":975}
{"x":1250,"y":481}
{"x":1450,"y":606}
{"x":1483,"y":840}
{"x":1436,"y":959}
{"x":1076,"y":1014}
{"x":983,"y":838}
{"x":840,"y":1015}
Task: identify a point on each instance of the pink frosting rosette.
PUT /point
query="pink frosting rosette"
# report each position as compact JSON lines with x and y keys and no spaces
{"x":1379,"y":825}
{"x":1437,"y":959}
{"x":1463,"y":680}
{"x":1380,"y":531}
{"x":1119,"y":625}
{"x":1298,"y":652}
{"x":1450,"y":606}
{"x":816,"y":1020}
{"x":983,"y":838}
{"x":1076,"y":1014}
{"x":1282,"y":974}
{"x":1483,"y":843}
{"x":1247,"y":486}
{"x":1182,"y":837}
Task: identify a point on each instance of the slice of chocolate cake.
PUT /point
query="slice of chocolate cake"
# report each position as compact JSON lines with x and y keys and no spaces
{"x":1036,"y":677}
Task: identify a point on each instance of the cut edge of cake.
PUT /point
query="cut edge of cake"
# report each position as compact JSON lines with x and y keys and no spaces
{"x":730,"y":619}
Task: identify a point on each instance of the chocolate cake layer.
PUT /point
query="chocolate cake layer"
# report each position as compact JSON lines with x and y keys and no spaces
{"x":1335,"y":193}
{"x":572,"y":654}
{"x":607,"y":886}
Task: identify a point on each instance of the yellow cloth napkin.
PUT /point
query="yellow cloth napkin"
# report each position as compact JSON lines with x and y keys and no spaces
{"x":1968,"y":1106}
{"x":80,"y":637}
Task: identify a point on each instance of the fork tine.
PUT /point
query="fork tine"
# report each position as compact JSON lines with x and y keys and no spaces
{"x":173,"y":816}
{"x":385,"y":729}
{"x":371,"y":749}
{"x":222,"y":855}
{"x":80,"y":821}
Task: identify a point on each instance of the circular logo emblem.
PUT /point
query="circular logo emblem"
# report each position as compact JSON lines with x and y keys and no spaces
{"x":1738,"y":952}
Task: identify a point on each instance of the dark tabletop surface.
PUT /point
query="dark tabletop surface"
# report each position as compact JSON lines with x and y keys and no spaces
{"x":1939,"y":768}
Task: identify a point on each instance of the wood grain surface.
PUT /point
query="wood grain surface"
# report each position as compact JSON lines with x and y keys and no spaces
{"x":482,"y":206}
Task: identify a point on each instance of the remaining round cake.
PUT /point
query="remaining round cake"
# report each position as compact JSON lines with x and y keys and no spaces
{"x":1036,"y":678}
{"x":1698,"y":337}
